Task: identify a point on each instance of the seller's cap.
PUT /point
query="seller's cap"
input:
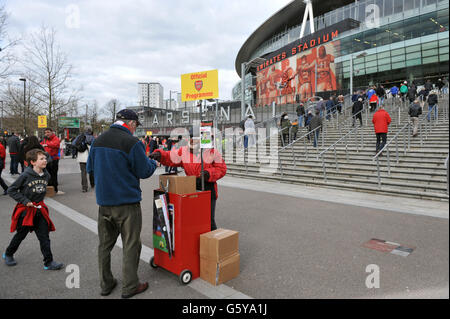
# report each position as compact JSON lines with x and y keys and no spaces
{"x":128,"y":115}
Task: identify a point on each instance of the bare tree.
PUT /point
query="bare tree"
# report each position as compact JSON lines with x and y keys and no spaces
{"x":7,"y":58}
{"x":110,"y":109}
{"x":50,"y":71}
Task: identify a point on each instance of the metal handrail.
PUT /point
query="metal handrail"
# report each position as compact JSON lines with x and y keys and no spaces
{"x":292,"y":148}
{"x":446,"y":165}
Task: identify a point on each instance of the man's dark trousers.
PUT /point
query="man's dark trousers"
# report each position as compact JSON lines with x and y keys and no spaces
{"x":14,"y":165}
{"x":84,"y":183}
{"x":381,"y":141}
{"x":2,"y":182}
{"x":125,"y":220}
{"x":52,"y":169}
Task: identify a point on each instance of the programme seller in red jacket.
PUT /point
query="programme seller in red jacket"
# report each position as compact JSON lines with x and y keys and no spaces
{"x":51,"y":144}
{"x":381,"y":121}
{"x":188,"y":157}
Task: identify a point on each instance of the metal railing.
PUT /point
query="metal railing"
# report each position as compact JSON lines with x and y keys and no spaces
{"x":291,"y":145}
{"x":406,"y":146}
{"x":446,"y":166}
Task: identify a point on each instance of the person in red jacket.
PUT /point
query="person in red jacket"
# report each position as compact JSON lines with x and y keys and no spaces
{"x":2,"y":166}
{"x":51,"y":144}
{"x":188,"y":157}
{"x":381,"y":121}
{"x":373,"y":102}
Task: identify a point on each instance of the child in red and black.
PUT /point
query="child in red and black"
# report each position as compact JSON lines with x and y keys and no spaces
{"x":30,"y":213}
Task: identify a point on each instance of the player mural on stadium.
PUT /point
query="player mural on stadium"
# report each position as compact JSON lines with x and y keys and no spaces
{"x":294,"y":79}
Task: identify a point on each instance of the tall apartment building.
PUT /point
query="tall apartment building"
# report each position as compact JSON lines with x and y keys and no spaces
{"x":151,"y":95}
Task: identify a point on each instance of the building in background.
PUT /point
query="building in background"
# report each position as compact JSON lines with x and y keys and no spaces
{"x":385,"y":41}
{"x":151,"y":95}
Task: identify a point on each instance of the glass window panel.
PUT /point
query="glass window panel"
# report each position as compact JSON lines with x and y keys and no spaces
{"x":346,"y":63}
{"x":443,"y":50}
{"x":432,"y":59}
{"x":443,"y":43}
{"x":414,"y":62}
{"x":411,"y":28}
{"x":371,"y":70}
{"x":430,"y":52}
{"x":442,"y":19}
{"x":388,"y":7}
{"x":398,"y":58}
{"x":429,"y":23}
{"x":384,"y":67}
{"x":383,"y":55}
{"x":398,"y":65}
{"x":429,"y":45}
{"x":443,"y":57}
{"x":413,"y":55}
{"x":398,"y":51}
{"x":371,"y":64}
{"x":371,"y":57}
{"x":413,"y":48}
{"x":361,"y":12}
{"x":397,"y":33}
{"x":398,"y":6}
{"x":431,"y":2}
{"x":383,"y":36}
{"x":409,"y":4}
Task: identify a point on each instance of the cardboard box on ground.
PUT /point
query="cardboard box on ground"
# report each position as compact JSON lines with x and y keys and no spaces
{"x":50,"y":191}
{"x":219,"y":256}
{"x":180,"y":185}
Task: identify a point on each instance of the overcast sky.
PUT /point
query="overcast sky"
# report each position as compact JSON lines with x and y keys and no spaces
{"x":118,"y":43}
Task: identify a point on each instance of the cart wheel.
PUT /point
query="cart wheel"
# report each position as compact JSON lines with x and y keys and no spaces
{"x":185,"y":277}
{"x":152,"y":263}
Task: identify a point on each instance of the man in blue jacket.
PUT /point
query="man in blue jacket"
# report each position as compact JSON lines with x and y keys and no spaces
{"x":118,"y":162}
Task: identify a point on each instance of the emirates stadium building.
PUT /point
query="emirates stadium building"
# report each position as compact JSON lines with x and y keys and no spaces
{"x":354,"y":44}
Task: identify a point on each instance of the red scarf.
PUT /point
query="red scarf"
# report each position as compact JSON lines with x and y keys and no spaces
{"x":31,"y":212}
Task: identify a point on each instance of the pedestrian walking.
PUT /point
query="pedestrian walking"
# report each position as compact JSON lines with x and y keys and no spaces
{"x":83,"y":143}
{"x":308,"y":119}
{"x":33,"y":143}
{"x":414,"y":111}
{"x":51,"y":145}
{"x":21,"y":156}
{"x":2,"y":166}
{"x":381,"y":120}
{"x":412,"y":93}
{"x":14,"y":148}
{"x":285,"y":125}
{"x":381,"y":93}
{"x":300,"y":114}
{"x":118,"y":196}
{"x":31,"y":213}
{"x":294,"y":131}
{"x":329,"y":106}
{"x":316,"y":124}
{"x":432,"y":101}
{"x":356,"y":111}
{"x":404,"y":91}
{"x":250,"y":131}
{"x":373,"y":102}
{"x":394,"y":91}
{"x":188,"y":157}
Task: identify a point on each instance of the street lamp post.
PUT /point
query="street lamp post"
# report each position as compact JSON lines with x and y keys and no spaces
{"x":1,"y":119}
{"x":24,"y":105}
{"x":170,"y":98}
{"x":245,"y":66}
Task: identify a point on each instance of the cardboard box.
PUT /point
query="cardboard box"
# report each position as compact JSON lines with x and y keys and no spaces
{"x":179,"y":184}
{"x":219,"y":273}
{"x":50,"y":191}
{"x":219,"y":244}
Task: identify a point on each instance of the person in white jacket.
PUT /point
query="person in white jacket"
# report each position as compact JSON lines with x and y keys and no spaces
{"x":250,"y":131}
{"x":88,"y":139}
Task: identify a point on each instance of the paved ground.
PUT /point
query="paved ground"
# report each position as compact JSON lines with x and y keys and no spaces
{"x":294,"y":243}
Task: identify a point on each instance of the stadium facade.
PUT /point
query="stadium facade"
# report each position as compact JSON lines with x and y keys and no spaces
{"x":386,"y":42}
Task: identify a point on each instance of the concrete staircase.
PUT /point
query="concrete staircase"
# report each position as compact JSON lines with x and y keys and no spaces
{"x":420,"y":171}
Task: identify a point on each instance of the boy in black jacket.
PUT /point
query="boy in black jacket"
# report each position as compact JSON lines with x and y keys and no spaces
{"x":30,"y":213}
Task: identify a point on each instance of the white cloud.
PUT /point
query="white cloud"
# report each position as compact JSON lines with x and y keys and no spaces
{"x":122,"y":42}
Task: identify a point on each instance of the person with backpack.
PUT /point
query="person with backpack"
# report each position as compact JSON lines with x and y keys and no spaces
{"x":414,"y":111}
{"x":82,"y":144}
{"x":300,"y":114}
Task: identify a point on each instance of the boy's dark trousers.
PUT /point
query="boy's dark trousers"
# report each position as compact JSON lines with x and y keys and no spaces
{"x":41,"y":230}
